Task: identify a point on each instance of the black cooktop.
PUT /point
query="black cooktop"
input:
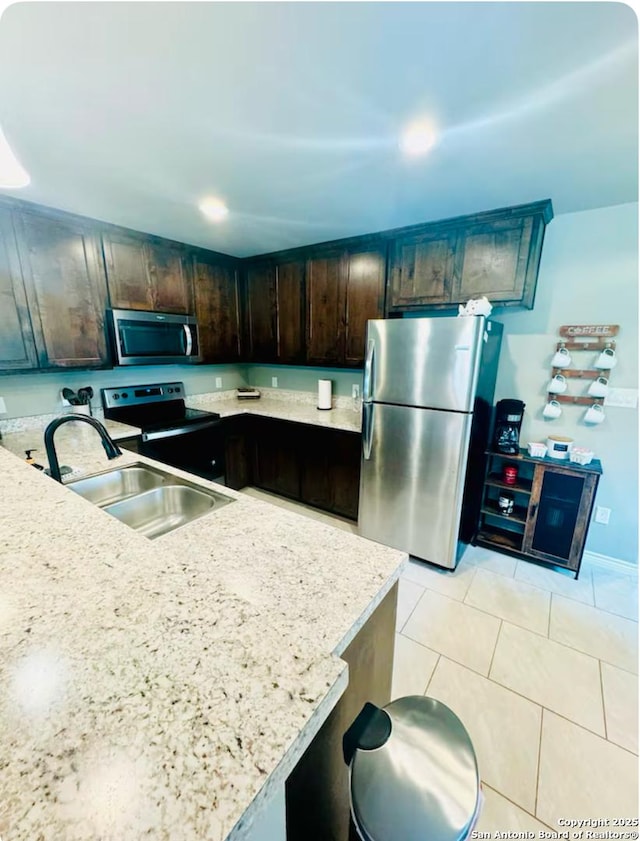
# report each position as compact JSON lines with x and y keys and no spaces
{"x":152,"y":407}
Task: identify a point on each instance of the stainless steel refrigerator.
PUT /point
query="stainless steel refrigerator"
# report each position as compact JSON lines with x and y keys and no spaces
{"x":427,"y":399}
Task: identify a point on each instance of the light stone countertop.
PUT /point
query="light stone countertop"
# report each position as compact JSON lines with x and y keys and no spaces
{"x":298,"y":406}
{"x":163,"y":688}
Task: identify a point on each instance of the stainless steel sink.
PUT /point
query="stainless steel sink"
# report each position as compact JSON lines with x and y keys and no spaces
{"x":148,"y":500}
{"x":166,"y":508}
{"x":115,"y":485}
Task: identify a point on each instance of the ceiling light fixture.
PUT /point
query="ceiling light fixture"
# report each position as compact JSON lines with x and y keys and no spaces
{"x":12,"y":174}
{"x":214,"y":209}
{"x":418,"y":139}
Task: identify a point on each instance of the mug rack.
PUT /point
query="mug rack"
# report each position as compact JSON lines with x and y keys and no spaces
{"x":584,"y":337}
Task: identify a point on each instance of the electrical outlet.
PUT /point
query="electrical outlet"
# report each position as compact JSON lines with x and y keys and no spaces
{"x":274,"y":382}
{"x":623,"y":398}
{"x":602,"y":515}
{"x":355,"y":391}
{"x":218,"y":382}
{"x":3,"y":406}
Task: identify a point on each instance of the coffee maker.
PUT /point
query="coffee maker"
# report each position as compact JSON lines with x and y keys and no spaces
{"x":506,"y":433}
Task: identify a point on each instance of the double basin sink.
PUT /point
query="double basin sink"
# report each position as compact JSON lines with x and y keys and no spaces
{"x":147,"y":499}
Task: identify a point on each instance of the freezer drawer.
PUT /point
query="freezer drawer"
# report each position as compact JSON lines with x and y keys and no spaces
{"x":412,"y":479}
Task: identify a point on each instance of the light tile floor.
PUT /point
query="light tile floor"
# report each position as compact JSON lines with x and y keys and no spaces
{"x":542,"y":670}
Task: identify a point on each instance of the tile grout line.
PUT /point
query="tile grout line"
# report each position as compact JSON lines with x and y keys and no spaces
{"x":513,"y":803}
{"x":604,"y":708}
{"x":535,"y":805}
{"x":429,"y":682}
{"x":495,"y":648}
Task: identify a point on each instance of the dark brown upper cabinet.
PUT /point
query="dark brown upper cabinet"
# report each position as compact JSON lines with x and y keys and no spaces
{"x":421,"y":269}
{"x":17,"y":346}
{"x":442,"y":264}
{"x":344,"y":290}
{"x":261,"y":312}
{"x":326,"y":316}
{"x":66,"y":289}
{"x":275,"y":311}
{"x":366,"y":272}
{"x":216,"y":293}
{"x":147,"y":274}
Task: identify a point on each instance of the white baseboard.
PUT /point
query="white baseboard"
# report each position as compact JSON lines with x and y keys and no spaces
{"x":617,"y":564}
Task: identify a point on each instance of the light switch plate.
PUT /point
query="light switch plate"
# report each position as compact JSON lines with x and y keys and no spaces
{"x":622,"y":398}
{"x":3,"y":406}
{"x":274,"y":382}
{"x":218,"y":382}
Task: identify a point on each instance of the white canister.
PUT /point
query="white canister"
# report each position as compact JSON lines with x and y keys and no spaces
{"x":559,"y":447}
{"x":324,"y":394}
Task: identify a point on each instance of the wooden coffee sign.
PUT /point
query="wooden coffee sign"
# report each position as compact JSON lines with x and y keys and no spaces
{"x":595,"y":331}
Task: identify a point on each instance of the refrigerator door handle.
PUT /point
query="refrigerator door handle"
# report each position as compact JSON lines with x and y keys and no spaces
{"x":367,"y":386}
{"x":367,"y":429}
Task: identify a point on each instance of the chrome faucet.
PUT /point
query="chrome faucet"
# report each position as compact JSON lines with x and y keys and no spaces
{"x":110,"y":447}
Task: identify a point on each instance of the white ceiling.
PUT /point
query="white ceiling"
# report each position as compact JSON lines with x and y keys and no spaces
{"x":290,"y":112}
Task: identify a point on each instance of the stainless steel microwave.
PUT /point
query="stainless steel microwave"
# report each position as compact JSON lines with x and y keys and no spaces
{"x":153,"y":338}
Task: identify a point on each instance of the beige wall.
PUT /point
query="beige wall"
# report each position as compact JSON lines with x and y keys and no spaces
{"x":588,"y":275}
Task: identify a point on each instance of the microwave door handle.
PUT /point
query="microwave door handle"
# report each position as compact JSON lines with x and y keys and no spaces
{"x":189,"y":338}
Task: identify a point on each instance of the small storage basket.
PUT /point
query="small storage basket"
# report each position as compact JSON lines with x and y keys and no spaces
{"x":537,"y":450}
{"x":579,"y":455}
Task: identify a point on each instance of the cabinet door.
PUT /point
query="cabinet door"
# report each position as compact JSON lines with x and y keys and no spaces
{"x":146,"y":275}
{"x":66,"y":290}
{"x":261,"y":312}
{"x":492,"y":260}
{"x":290,"y":311}
{"x":216,"y":306}
{"x":170,"y":277}
{"x":127,"y":272}
{"x":559,"y":511}
{"x":345,"y":473}
{"x":17,"y":348}
{"x":277,"y":466}
{"x":316,"y":485}
{"x":237,"y":432}
{"x":365,"y":299}
{"x":421,"y":269}
{"x":326,"y":310}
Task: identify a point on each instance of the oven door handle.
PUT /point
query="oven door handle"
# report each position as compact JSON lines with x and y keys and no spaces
{"x":189,"y":338}
{"x":178,"y":430}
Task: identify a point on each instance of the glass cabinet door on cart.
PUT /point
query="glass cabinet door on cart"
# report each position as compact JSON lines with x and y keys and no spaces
{"x":558,"y":515}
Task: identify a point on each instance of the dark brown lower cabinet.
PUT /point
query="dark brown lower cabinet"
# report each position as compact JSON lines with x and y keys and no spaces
{"x":311,"y":464}
{"x":276,"y":448}
{"x":552,"y":507}
{"x":317,"y":790}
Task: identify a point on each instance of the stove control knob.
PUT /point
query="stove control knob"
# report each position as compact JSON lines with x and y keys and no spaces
{"x":170,"y":390}
{"x":177,"y":389}
{"x":116,"y":397}
{"x":124,"y":395}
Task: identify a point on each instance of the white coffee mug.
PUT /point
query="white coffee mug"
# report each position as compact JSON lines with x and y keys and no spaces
{"x":599,"y":387}
{"x":552,"y":410}
{"x":607,"y":359}
{"x":558,"y":384}
{"x":561,"y":358}
{"x":594,"y":414}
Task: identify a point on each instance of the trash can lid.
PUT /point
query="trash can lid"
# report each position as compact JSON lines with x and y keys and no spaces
{"x":421,"y":781}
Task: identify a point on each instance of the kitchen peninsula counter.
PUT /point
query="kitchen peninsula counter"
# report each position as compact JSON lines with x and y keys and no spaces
{"x":163,"y":689}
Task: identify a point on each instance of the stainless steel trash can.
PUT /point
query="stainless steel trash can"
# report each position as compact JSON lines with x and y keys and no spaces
{"x":413,"y":772}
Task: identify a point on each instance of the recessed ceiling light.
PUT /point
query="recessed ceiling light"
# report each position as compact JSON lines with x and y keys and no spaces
{"x":214,"y":209}
{"x":12,"y":173}
{"x":418,"y":138}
